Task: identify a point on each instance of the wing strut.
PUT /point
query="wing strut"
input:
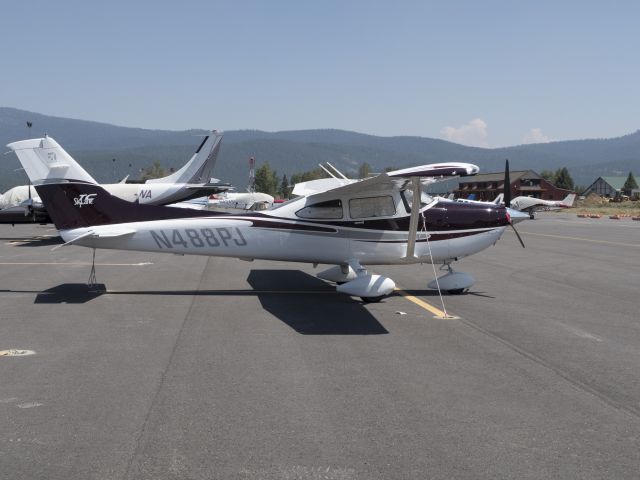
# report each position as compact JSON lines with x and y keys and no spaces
{"x":416,"y":186}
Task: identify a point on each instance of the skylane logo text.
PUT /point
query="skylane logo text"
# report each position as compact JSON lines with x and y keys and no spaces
{"x":84,"y":199}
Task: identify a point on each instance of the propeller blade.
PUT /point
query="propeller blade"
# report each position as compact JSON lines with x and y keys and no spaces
{"x":517,"y":234}
{"x":507,"y":185}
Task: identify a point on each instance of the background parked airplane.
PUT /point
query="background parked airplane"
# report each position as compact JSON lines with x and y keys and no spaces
{"x":44,"y":159}
{"x":531,"y":205}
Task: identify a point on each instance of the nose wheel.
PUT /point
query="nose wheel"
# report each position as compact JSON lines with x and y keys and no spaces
{"x":454,"y":283}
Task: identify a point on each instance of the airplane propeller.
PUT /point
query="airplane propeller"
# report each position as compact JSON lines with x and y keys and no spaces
{"x":507,"y":198}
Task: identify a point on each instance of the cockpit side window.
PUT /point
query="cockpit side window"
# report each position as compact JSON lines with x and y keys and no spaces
{"x":372,"y":207}
{"x":331,"y":209}
{"x":407,"y":199}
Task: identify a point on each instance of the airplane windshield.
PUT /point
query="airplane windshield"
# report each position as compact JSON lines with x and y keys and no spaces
{"x":407,"y":199}
{"x":280,"y":205}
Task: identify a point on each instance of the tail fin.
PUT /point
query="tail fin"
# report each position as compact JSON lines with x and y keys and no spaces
{"x":44,"y":160}
{"x":499,"y":199}
{"x":78,"y":205}
{"x":200,"y":167}
{"x":568,"y":200}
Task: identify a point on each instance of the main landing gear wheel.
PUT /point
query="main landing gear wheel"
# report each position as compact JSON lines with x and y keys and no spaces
{"x":456,"y":291}
{"x":371,"y":299}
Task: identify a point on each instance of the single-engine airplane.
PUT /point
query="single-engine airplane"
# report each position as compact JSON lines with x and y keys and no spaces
{"x":531,"y":205}
{"x":44,"y":158}
{"x":383,"y":220}
{"x":528,"y":205}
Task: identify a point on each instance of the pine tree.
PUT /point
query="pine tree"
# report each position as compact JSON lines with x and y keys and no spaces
{"x":364,"y":171}
{"x":563,"y":179}
{"x":266,"y":180}
{"x":284,"y":187}
{"x":629,"y":185}
{"x":154,"y":171}
{"x":548,"y":175}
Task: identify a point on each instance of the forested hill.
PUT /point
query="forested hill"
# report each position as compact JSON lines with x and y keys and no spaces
{"x":95,"y":145}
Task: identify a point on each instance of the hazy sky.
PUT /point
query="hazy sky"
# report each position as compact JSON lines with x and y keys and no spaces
{"x":483,"y":73}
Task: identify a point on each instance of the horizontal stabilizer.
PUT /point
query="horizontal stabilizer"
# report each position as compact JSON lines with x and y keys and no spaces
{"x":209,"y":189}
{"x":111,"y":233}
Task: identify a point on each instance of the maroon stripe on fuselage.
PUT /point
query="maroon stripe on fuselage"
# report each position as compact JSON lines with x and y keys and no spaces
{"x":433,"y":237}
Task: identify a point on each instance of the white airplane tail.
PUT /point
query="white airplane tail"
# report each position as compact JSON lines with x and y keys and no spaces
{"x":499,"y":199}
{"x":568,"y":200}
{"x":43,"y":160}
{"x":200,"y":167}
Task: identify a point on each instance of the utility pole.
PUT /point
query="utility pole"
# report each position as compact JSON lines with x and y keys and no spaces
{"x":252,"y":175}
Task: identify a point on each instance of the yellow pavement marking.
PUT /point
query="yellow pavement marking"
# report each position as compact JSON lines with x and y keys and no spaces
{"x":565,"y":237}
{"x":427,"y":306}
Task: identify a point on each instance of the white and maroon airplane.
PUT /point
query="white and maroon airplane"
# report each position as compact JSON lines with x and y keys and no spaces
{"x":383,"y":220}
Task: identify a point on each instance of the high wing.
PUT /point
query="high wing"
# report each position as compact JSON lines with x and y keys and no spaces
{"x":398,"y":179}
{"x":428,"y":174}
{"x":311,"y":187}
{"x":437,"y":171}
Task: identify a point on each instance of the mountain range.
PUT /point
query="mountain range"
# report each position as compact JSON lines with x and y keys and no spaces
{"x":109,"y":152}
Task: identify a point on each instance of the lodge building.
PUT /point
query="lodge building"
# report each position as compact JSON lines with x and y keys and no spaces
{"x":526,"y":183}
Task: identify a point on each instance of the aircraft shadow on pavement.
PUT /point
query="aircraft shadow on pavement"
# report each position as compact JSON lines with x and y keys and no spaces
{"x":312,"y":306}
{"x":70,"y":293}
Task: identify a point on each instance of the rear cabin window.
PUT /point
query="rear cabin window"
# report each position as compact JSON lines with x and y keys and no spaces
{"x":330,"y":209}
{"x":372,"y":207}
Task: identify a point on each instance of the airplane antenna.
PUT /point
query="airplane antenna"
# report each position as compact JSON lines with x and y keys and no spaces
{"x":327,"y":171}
{"x":337,"y":171}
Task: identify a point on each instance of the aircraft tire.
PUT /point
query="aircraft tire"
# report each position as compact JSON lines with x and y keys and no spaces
{"x":371,"y":299}
{"x":456,"y":291}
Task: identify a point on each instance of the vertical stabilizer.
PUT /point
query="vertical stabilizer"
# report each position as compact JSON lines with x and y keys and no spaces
{"x":44,"y":160}
{"x":78,"y":205}
{"x":568,"y":200}
{"x":200,"y":167}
